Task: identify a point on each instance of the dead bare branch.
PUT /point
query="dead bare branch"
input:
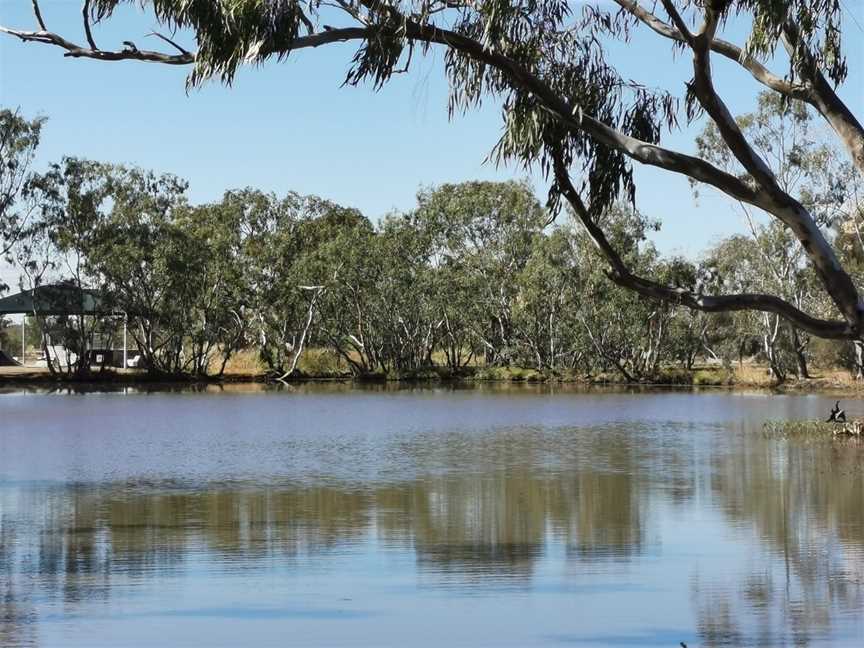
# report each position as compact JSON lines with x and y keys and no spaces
{"x":74,"y":50}
{"x":170,"y":42}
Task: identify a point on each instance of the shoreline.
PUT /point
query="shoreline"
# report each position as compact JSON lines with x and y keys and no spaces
{"x":674,"y":380}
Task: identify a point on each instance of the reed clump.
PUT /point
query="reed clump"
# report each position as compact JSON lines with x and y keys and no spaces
{"x":799,"y":429}
{"x":811,"y":429}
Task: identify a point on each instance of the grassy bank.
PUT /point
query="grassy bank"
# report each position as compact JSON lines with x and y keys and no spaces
{"x":246,"y":368}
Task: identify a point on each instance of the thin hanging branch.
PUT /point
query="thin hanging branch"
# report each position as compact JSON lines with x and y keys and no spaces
{"x":38,"y":13}
{"x":85,"y":15}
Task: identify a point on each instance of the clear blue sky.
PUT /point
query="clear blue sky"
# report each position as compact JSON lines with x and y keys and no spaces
{"x":290,"y":126}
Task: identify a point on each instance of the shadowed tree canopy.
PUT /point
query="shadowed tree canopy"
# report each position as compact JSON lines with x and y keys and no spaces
{"x":565,"y":107}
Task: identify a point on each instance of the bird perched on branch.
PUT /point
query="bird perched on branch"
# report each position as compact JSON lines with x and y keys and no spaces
{"x":837,"y":415}
{"x":130,"y":46}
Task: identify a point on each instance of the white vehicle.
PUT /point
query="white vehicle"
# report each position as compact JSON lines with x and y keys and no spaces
{"x":134,"y":362}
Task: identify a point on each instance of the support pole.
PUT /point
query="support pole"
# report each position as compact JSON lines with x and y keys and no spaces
{"x":125,"y":357}
{"x":23,"y":338}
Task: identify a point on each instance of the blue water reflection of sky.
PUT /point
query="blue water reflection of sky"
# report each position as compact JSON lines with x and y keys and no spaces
{"x":424,"y":518}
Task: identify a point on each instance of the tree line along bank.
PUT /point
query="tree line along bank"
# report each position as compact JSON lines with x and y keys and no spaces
{"x":477,"y":278}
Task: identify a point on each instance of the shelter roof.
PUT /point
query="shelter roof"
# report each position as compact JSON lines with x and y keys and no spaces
{"x":57,"y":299}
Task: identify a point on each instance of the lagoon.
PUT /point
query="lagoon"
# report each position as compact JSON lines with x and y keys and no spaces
{"x":329,"y":515}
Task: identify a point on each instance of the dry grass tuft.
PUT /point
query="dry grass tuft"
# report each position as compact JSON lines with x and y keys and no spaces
{"x":322,"y":363}
{"x":753,"y":375}
{"x":243,"y":363}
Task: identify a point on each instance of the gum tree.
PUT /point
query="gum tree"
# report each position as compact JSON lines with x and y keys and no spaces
{"x":54,"y":232}
{"x":129,"y":245}
{"x":788,"y":138}
{"x":19,"y":139}
{"x":286,"y":286}
{"x":628,"y":337}
{"x":565,"y":107}
{"x":549,"y":288}
{"x":482,"y":233}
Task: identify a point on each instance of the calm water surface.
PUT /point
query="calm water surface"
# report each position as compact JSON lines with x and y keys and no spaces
{"x":327,"y":516}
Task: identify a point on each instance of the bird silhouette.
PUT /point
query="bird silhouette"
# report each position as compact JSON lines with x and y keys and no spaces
{"x":837,"y":415}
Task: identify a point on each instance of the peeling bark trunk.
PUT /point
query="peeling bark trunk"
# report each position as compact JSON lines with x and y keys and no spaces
{"x":769,"y":346}
{"x":859,"y":359}
{"x":301,"y":345}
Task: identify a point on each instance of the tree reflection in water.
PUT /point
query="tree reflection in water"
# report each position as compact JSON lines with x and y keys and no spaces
{"x":484,"y":512}
{"x":803,"y":503}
